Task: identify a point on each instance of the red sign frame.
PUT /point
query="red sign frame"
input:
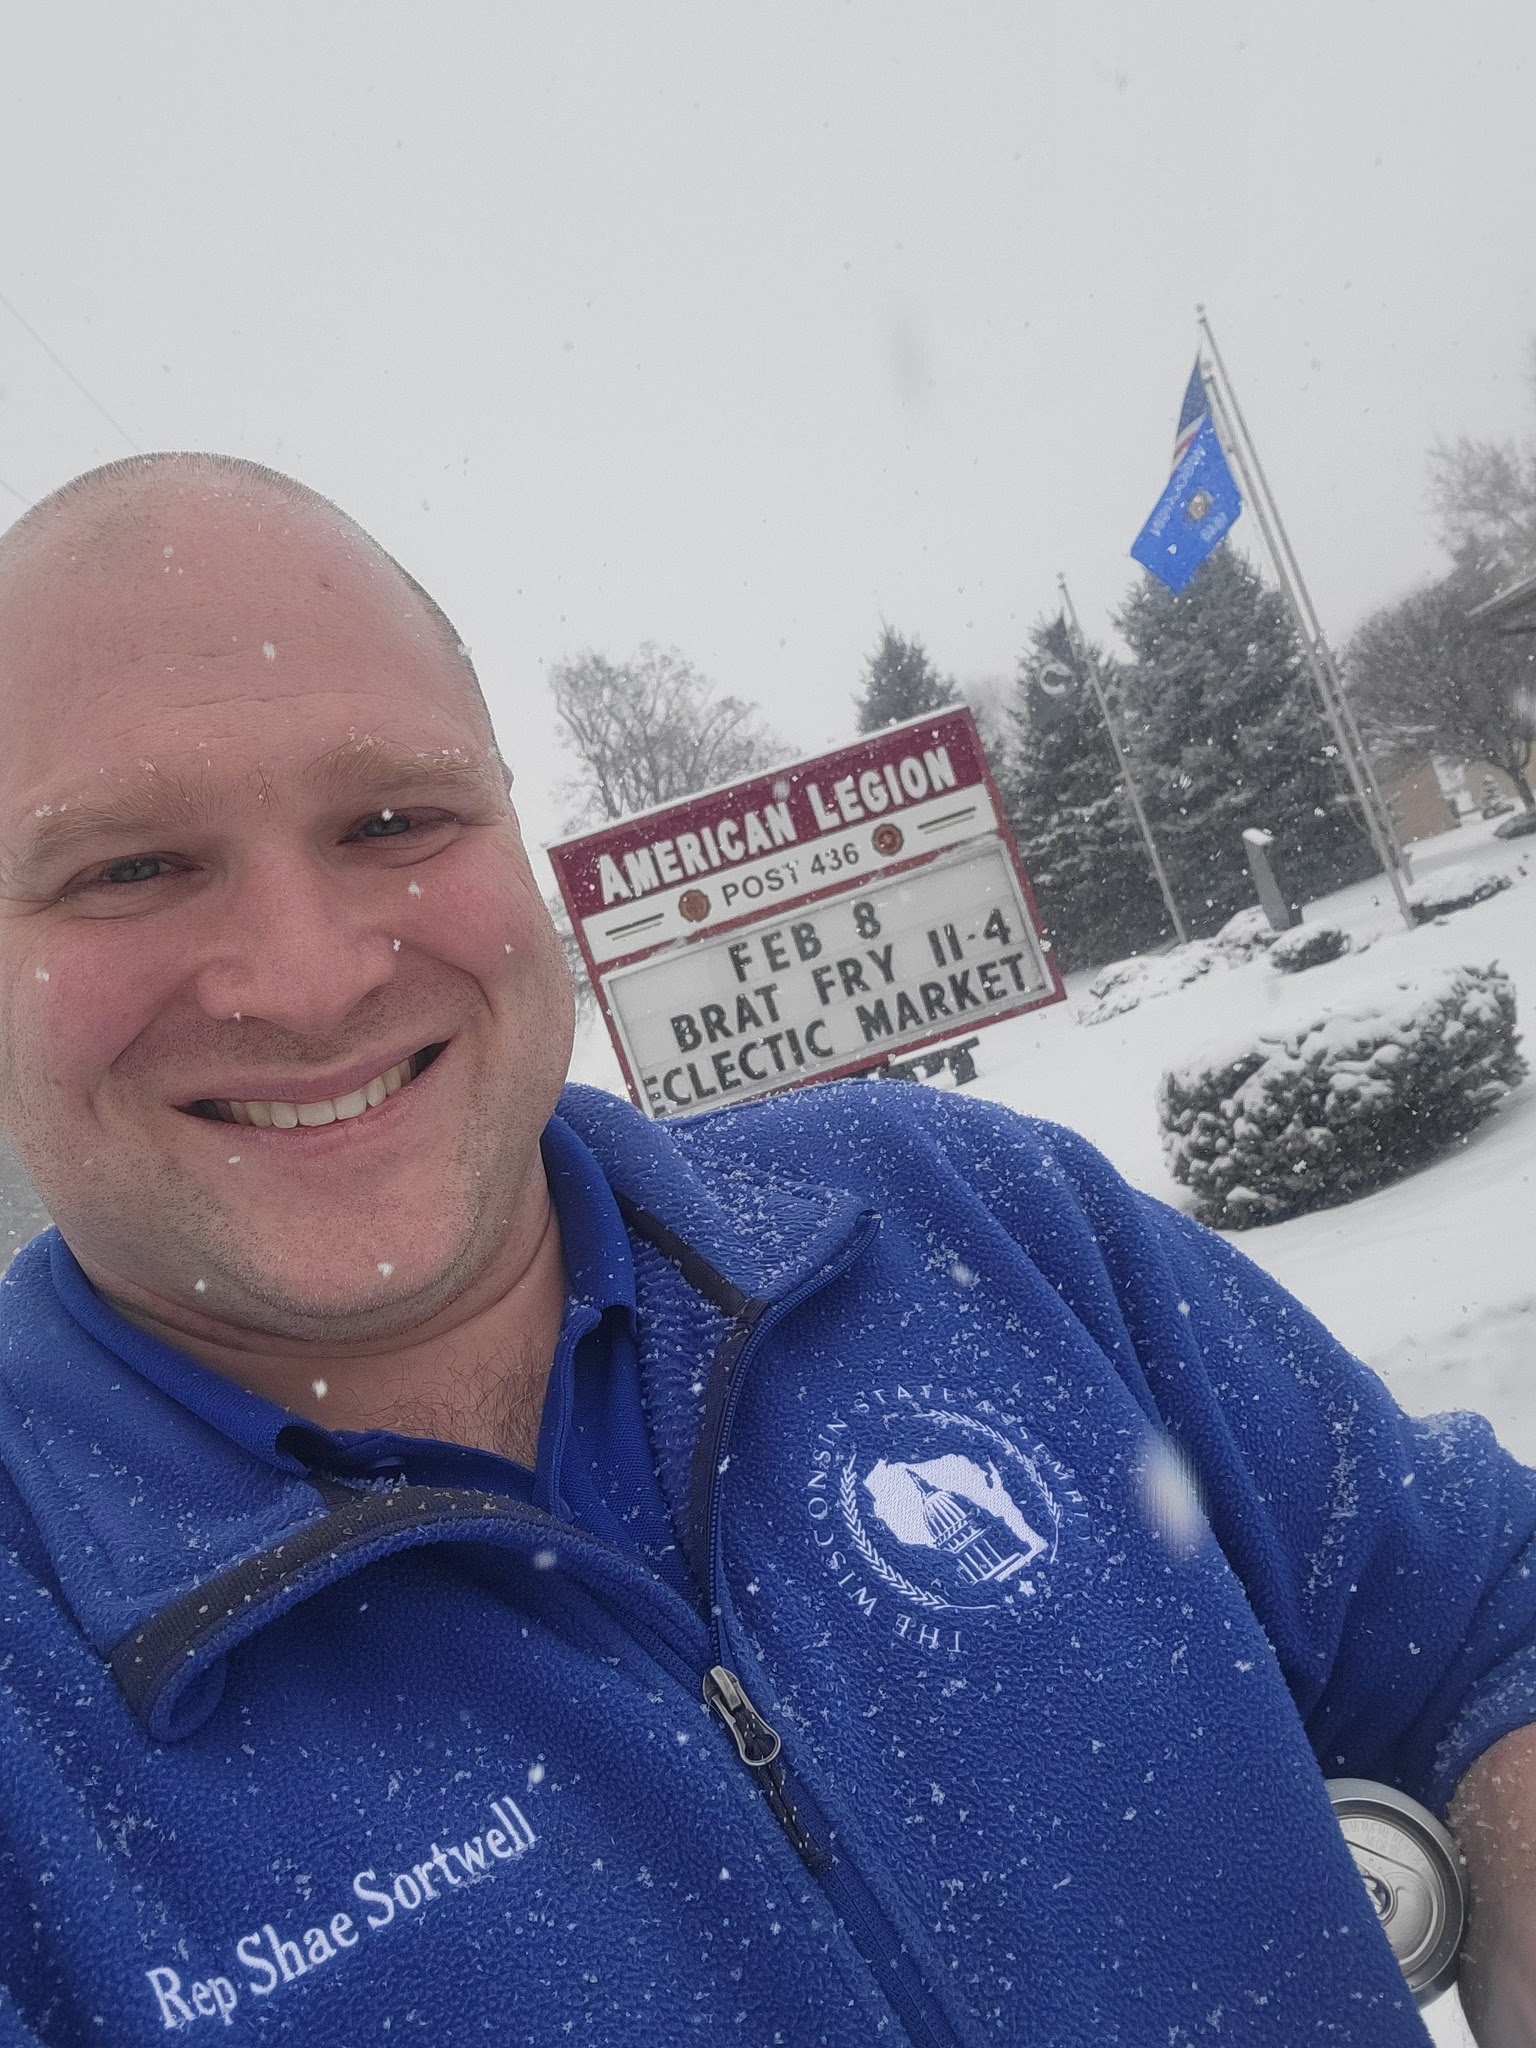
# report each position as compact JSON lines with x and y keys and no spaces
{"x":748,"y":853}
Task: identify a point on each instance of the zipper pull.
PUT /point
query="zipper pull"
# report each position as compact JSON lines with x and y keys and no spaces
{"x":758,"y":1743}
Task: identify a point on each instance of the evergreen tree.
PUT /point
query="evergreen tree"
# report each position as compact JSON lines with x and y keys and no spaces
{"x":1094,"y":885}
{"x":900,"y":681}
{"x":1223,"y":712}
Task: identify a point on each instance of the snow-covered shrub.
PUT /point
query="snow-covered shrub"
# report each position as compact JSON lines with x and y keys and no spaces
{"x":1122,"y":986}
{"x":1246,"y":933}
{"x":1454,"y":892}
{"x":1315,"y":1115}
{"x":1309,"y":945}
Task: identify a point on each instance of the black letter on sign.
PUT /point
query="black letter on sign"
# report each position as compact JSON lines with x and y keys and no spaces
{"x":875,"y":1022}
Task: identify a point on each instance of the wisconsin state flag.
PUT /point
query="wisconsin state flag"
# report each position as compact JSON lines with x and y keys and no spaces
{"x":1199,"y":502}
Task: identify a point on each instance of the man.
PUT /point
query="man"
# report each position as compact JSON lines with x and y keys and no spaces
{"x":844,"y":1570}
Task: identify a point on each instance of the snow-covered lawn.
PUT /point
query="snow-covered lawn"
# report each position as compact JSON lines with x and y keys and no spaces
{"x":1432,"y":1281}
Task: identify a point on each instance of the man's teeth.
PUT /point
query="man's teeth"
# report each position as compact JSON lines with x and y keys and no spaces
{"x":286,"y":1116}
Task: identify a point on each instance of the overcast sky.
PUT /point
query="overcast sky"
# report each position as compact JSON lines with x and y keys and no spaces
{"x":741,"y":328}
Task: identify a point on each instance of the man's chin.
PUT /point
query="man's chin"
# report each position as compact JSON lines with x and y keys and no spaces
{"x":315,"y":1296}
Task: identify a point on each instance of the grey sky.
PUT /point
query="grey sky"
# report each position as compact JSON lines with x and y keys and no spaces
{"x":740,"y":328}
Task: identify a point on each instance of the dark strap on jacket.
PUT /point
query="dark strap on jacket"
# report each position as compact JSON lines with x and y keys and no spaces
{"x":694,"y":1267}
{"x":234,"y":1602}
{"x":745,"y":1311}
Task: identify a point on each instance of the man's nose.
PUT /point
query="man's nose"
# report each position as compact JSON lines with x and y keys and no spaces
{"x":293,"y":946}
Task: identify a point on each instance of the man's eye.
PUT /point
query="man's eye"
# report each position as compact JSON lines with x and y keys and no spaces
{"x":384,"y":825}
{"x":139,"y":867}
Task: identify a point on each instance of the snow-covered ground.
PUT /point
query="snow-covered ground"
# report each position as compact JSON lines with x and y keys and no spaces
{"x":1431,"y":1281}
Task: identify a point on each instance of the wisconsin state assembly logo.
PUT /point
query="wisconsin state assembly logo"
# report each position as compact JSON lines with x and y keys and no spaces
{"x":934,"y":1508}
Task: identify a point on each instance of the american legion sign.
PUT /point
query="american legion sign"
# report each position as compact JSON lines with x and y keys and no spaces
{"x":807,"y":923}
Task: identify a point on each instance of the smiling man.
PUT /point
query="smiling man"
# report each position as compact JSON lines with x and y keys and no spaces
{"x":257,"y":1025}
{"x":843,"y":1570}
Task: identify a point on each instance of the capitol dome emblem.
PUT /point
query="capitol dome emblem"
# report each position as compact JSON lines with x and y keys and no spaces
{"x":938,"y":1507}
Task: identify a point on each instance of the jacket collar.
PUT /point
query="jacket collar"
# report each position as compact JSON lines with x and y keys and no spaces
{"x":771,"y":1238}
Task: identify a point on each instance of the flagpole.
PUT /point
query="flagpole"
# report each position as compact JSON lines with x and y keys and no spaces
{"x":1084,"y":654}
{"x":1320,"y":640}
{"x":1298,"y":602}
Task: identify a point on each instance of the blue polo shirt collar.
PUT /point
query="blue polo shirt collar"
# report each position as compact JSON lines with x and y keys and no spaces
{"x":600,"y":1298}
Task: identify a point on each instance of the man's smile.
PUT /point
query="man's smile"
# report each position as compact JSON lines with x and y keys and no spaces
{"x":301,"y":1108}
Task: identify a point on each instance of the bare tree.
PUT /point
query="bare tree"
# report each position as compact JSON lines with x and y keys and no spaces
{"x":651,"y":729}
{"x":1484,"y":496}
{"x":1422,"y":674}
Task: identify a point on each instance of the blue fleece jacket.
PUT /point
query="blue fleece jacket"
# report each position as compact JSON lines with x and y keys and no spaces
{"x":1048,"y":1549}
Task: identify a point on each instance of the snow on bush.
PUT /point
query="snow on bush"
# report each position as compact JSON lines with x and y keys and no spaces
{"x":1125,"y":984}
{"x":1455,"y":892}
{"x":1122,"y":986}
{"x":1309,"y":945}
{"x":1246,"y":933}
{"x":1315,"y":1115}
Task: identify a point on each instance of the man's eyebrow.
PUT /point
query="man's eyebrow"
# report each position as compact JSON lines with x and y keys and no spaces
{"x":154,"y":805}
{"x":365,"y":766}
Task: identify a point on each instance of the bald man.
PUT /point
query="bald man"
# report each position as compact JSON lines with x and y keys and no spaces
{"x":479,"y":1565}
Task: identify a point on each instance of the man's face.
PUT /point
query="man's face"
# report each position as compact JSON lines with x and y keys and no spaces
{"x":256,"y":849}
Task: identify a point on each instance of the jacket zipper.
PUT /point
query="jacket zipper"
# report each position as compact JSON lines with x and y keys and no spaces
{"x":761,"y":1748}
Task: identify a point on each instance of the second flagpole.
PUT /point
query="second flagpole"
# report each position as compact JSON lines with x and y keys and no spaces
{"x":1090,"y":668}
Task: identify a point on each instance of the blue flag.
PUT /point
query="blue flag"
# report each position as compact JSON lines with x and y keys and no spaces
{"x":1200,"y":502}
